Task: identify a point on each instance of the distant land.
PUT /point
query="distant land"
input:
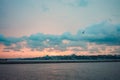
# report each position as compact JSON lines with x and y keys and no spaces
{"x":68,"y":57}
{"x":63,"y":59}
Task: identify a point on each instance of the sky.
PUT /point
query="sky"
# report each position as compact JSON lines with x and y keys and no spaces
{"x":33,"y":28}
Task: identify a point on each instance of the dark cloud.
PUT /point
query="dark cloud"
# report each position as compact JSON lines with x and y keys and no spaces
{"x":101,"y":33}
{"x":7,"y":41}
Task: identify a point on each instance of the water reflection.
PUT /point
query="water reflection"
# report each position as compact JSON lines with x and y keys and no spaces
{"x":62,"y":71}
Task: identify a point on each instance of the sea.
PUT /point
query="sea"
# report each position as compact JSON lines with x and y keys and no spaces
{"x":61,"y":71}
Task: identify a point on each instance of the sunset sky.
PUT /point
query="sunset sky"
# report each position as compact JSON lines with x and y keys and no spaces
{"x":32,"y":28}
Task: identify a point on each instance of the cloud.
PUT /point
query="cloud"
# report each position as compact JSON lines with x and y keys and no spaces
{"x":83,"y":3}
{"x":103,"y":33}
{"x":76,"y":3}
{"x":7,"y":41}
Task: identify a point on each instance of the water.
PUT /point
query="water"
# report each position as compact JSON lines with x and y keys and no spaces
{"x":61,"y":71}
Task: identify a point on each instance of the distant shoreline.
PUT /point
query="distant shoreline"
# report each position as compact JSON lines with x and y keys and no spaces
{"x":54,"y":61}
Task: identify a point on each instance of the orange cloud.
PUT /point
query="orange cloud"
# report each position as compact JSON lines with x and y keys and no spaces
{"x":92,"y":49}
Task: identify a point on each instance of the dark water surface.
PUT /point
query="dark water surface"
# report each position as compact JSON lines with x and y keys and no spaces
{"x":61,"y":71}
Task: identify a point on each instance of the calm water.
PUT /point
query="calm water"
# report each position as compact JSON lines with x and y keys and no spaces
{"x":62,"y":71}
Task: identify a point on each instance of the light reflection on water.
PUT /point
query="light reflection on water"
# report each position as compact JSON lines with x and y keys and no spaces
{"x":62,"y":71}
